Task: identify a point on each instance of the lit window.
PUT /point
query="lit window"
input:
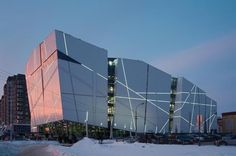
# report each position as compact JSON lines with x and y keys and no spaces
{"x":111,"y":89}
{"x":110,"y":63}
{"x":115,"y":62}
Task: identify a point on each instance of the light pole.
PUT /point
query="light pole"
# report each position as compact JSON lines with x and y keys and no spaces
{"x":86,"y":124}
{"x":136,"y":118}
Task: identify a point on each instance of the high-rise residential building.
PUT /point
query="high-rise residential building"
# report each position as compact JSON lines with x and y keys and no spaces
{"x":14,"y":102}
{"x":70,"y":80}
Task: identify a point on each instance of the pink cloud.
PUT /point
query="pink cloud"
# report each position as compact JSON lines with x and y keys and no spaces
{"x":198,"y":55}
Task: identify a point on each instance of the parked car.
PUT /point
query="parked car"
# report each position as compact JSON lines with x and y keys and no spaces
{"x":228,"y":140}
{"x":184,"y":139}
{"x":211,"y":138}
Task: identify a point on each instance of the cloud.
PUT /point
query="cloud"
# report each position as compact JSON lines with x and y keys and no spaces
{"x":199,"y":55}
{"x":214,"y":62}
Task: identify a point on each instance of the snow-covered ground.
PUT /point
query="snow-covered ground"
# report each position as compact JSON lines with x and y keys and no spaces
{"x":90,"y":147}
{"x":13,"y":148}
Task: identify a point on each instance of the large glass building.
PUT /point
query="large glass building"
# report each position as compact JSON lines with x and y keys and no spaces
{"x":67,"y":80}
{"x":71,"y":80}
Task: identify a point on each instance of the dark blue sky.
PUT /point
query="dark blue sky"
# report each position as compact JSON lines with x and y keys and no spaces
{"x":194,"y":39}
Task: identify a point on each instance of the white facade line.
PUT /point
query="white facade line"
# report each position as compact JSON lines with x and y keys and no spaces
{"x":194,"y":98}
{"x":210,"y":113}
{"x":65,"y":43}
{"x":164,"y":101}
{"x":87,"y":67}
{"x":183,"y":119}
{"x":212,"y":121}
{"x":150,"y":93}
{"x":198,"y":93}
{"x":167,"y":93}
{"x":143,"y":97}
{"x":185,"y":100}
{"x":195,"y":103}
{"x":101,"y":76}
{"x":208,"y":118}
{"x":126,"y":83}
{"x":164,"y":126}
{"x":94,"y":71}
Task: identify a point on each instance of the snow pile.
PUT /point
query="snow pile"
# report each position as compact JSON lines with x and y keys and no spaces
{"x":89,"y":147}
{"x":84,"y":143}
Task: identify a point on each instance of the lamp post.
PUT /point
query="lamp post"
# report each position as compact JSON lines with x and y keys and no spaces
{"x":136,"y":118}
{"x":86,"y":124}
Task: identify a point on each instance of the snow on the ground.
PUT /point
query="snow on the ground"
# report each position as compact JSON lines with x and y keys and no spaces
{"x":90,"y":147}
{"x":28,"y":142}
{"x":12,"y":148}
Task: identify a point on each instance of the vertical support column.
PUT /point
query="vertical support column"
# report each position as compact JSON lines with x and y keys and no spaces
{"x":145,"y":113}
{"x":94,"y":95}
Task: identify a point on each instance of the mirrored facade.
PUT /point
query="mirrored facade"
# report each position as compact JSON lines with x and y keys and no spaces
{"x":71,"y":80}
{"x":194,"y":111}
{"x":64,"y":81}
{"x":137,"y":84}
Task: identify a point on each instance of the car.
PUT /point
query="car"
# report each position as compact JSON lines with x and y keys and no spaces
{"x":184,"y":139}
{"x":211,"y":138}
{"x":228,"y":140}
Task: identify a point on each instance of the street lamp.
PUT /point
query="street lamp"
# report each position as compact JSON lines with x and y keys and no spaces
{"x":136,"y":118}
